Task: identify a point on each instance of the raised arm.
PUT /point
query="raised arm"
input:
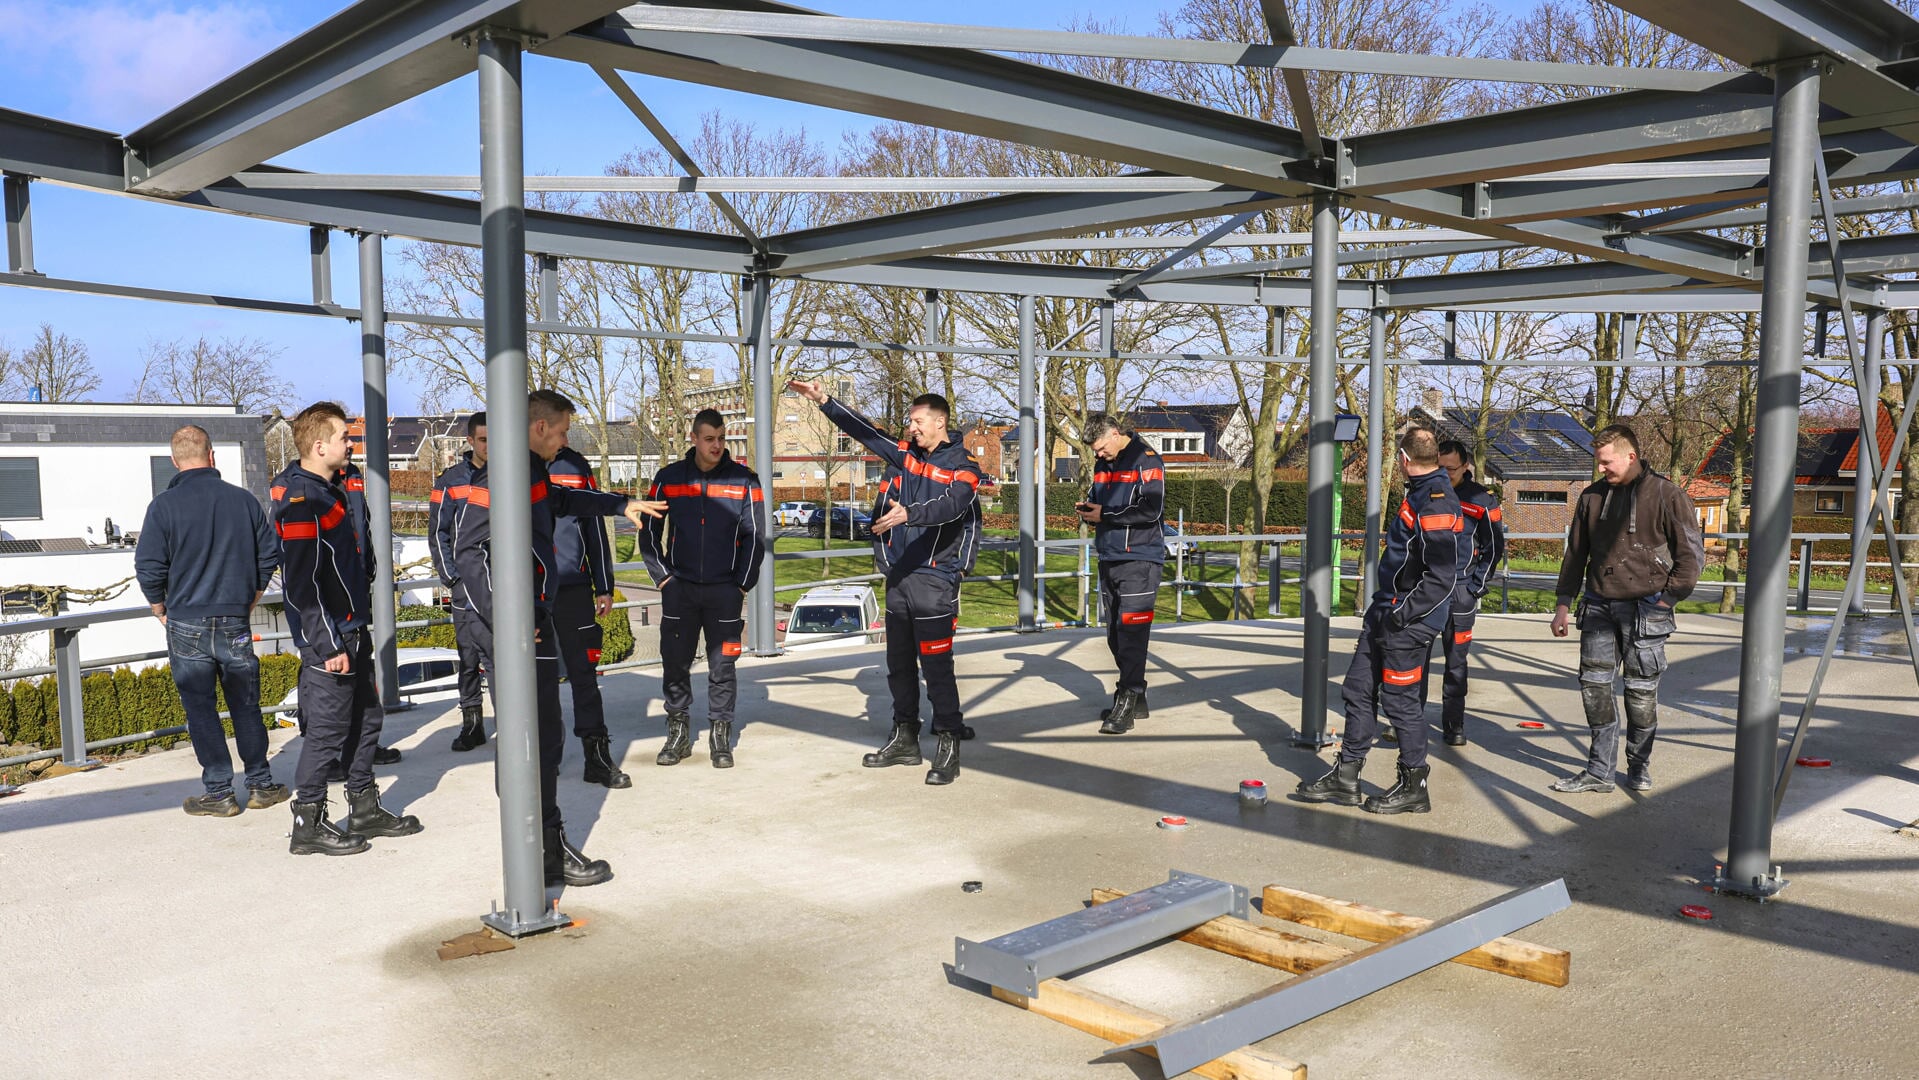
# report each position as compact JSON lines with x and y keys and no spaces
{"x":890,"y":450}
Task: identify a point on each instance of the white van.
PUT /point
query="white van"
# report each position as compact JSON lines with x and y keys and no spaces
{"x":822,"y":615}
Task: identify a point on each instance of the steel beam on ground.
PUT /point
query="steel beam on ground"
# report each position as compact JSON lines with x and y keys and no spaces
{"x":1749,"y":868}
{"x":366,"y":58}
{"x":1031,"y":516}
{"x":18,"y":194}
{"x":1185,"y":1046}
{"x":1316,"y":576}
{"x":515,"y":696}
{"x":379,"y":486}
{"x":1375,"y":448}
{"x":760,"y":331}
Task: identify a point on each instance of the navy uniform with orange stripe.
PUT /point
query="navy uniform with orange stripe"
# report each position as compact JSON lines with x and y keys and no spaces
{"x":923,"y":560}
{"x":443,"y":513}
{"x":473,"y":557}
{"x":1482,"y":545}
{"x":583,"y":560}
{"x":1130,"y":491}
{"x":325,"y":575}
{"x":704,"y":556}
{"x":1418,"y":571}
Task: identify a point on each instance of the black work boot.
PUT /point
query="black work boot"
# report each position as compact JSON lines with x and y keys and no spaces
{"x":600,"y":768}
{"x":212,"y":806}
{"x":369,"y":818}
{"x":679,"y":740}
{"x":568,"y":865}
{"x":1339,"y":785}
{"x":1140,"y":713}
{"x":719,"y":744}
{"x":945,"y":759}
{"x":472,"y":734}
{"x":1406,"y":797}
{"x":1125,"y":710}
{"x":902,"y":749}
{"x":313,"y":834}
{"x":385,"y":755}
{"x":1456,"y":736}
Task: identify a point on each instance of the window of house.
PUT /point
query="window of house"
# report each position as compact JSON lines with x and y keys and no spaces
{"x":19,"y":488}
{"x":1555,"y":498}
{"x":1833,"y":502}
{"x":163,"y":472}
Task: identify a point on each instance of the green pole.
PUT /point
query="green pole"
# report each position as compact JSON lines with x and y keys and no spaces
{"x":1339,"y":502}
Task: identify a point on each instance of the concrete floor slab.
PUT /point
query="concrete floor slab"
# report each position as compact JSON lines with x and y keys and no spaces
{"x":792,"y":917}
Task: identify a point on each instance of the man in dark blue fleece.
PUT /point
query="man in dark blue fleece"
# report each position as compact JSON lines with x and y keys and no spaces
{"x":205,"y":556}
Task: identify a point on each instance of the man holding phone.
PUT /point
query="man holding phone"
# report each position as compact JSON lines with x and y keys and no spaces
{"x":1125,"y":506}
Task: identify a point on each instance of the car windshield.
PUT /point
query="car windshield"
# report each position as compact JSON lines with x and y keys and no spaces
{"x":824,"y":619}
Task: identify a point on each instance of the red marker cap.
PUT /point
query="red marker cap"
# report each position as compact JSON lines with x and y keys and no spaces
{"x":1695,"y":911}
{"x":1252,"y":783}
{"x":1814,"y":763}
{"x":1173,"y":822}
{"x":1532,"y":725}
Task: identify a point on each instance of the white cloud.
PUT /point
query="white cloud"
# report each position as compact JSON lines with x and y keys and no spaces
{"x":121,"y":65}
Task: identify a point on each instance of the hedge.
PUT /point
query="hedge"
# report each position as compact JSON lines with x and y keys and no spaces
{"x":122,"y":702}
{"x":617,"y":646}
{"x":1204,"y":502}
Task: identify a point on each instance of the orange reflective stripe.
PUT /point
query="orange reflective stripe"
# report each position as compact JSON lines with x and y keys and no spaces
{"x":1134,"y":618}
{"x":1496,"y":513}
{"x":1473,"y":510}
{"x":927,"y":648}
{"x":714,"y":492}
{"x":279,"y":492}
{"x":333,"y":517}
{"x":539,"y":492}
{"x":297,"y":530}
{"x":758,"y":495}
{"x":1462,"y":637}
{"x":459,"y":492}
{"x":569,"y":480}
{"x":945,"y":476}
{"x":1406,"y":514}
{"x":436,"y":496}
{"x":729,"y":648}
{"x":1403,"y":678}
{"x":1447,"y":522}
{"x":356,"y":483}
{"x":677,"y":491}
{"x":479,"y":496}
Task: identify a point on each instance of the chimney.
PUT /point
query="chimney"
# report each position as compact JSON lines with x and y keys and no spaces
{"x":1163,"y":405}
{"x":1432,"y":400}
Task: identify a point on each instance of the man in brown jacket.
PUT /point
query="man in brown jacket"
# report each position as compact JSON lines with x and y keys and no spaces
{"x":1634,"y":550}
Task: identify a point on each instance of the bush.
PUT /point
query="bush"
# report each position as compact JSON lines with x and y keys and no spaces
{"x":122,"y":702}
{"x":618,"y":632}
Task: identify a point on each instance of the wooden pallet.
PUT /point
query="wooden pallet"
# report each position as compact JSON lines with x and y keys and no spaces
{"x":1119,"y":1022}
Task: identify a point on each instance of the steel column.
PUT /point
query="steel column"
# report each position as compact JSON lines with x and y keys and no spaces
{"x":1316,"y":577}
{"x":379,"y":494}
{"x":516,"y":704}
{"x":320,"y":247}
{"x":1749,"y":867}
{"x":1375,"y":449}
{"x":1028,"y":485}
{"x":760,"y":332}
{"x":1868,"y":464}
{"x":73,"y":721}
{"x":549,"y":308}
{"x":19,"y":212}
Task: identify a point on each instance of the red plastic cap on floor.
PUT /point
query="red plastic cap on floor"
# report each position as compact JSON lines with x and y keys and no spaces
{"x":1694,"y":911}
{"x":1532,"y":725}
{"x":1814,"y":763}
{"x":1252,"y":783}
{"x":1171,"y":822}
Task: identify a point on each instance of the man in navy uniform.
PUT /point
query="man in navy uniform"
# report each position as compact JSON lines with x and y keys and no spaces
{"x":549,"y":415}
{"x":926,"y":530}
{"x":325,"y":574}
{"x":1484,"y":545}
{"x":705,"y":557}
{"x":1418,"y":571}
{"x":583,"y":572}
{"x":1125,"y":506}
{"x":449,"y":495}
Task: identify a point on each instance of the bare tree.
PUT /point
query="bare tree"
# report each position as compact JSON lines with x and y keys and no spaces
{"x":54,"y":367}
{"x":237,"y":371}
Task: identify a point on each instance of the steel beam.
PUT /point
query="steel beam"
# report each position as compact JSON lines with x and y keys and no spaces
{"x":1199,"y":244}
{"x":1185,"y":1046}
{"x":18,"y":196}
{"x":1032,"y":520}
{"x":68,"y":676}
{"x":1023,"y":959}
{"x":1316,"y":576}
{"x":1375,"y":449}
{"x":269,"y":180}
{"x":1279,"y":23}
{"x":373,"y":55}
{"x":320,"y":253}
{"x":379,"y":493}
{"x":760,"y":332}
{"x":674,"y":150}
{"x":509,"y":468}
{"x":1866,"y":460}
{"x":1762,"y":646}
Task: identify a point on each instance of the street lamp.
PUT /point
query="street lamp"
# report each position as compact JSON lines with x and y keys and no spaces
{"x":1345,"y":430}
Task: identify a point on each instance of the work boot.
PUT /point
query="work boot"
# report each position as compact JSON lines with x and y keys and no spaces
{"x":1140,"y":713}
{"x":261,"y":798}
{"x":600,"y":768}
{"x":719,"y":744}
{"x":313,"y":834}
{"x":212,"y":806}
{"x":385,"y":755}
{"x":1125,"y":710}
{"x":1638,"y":776}
{"x":472,"y":734}
{"x":1582,"y":781}
{"x":945,"y":759}
{"x":1409,"y":796}
{"x":902,"y":749}
{"x":1455,"y":736}
{"x":369,"y":818}
{"x":1339,"y":785}
{"x":568,"y":865}
{"x":679,"y":739}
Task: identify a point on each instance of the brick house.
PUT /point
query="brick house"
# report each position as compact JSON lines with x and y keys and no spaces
{"x":1823,"y":470}
{"x":1537,"y":461}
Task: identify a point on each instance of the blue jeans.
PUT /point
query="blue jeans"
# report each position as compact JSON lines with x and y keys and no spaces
{"x":220,"y":650}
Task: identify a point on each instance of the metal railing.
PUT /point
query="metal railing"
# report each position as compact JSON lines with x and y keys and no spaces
{"x":1188,"y":550}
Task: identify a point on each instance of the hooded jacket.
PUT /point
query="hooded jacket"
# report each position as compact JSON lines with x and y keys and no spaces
{"x":581,"y":551}
{"x":938,"y":487}
{"x":1419,"y":566}
{"x":473,"y":531}
{"x":1130,"y":491}
{"x":1485,"y":539}
{"x":323,"y":571}
{"x":443,"y":510}
{"x":712,"y":532}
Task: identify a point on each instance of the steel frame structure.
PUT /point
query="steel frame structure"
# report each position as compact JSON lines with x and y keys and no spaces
{"x":1631,"y":184}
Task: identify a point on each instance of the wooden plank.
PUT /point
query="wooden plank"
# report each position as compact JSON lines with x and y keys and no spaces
{"x":1506,"y":956}
{"x":1118,"y":1022}
{"x":1249,"y":941}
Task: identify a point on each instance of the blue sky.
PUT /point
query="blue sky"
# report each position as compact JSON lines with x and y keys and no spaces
{"x":114,"y":64}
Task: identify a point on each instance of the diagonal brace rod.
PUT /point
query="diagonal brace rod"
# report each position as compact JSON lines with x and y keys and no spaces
{"x":1204,"y":241}
{"x":674,"y":150}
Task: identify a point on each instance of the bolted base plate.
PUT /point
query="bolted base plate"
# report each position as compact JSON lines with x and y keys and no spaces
{"x":1759,"y":889}
{"x":505,"y":922}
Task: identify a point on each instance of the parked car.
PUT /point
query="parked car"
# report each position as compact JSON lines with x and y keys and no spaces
{"x":1176,"y":543}
{"x":789,"y":514}
{"x":420,"y":671}
{"x":848,"y":524}
{"x":830,"y":610}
